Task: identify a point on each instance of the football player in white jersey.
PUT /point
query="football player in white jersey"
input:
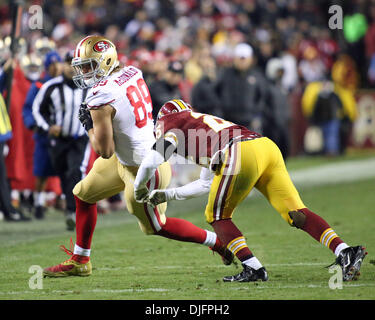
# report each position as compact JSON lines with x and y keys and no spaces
{"x":117,"y":116}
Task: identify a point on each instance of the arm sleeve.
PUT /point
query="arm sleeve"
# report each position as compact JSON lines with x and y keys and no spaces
{"x":3,"y":80}
{"x":193,"y":189}
{"x":147,"y":169}
{"x":40,"y":108}
{"x":161,"y":152}
{"x":27,"y":110}
{"x":100,"y":96}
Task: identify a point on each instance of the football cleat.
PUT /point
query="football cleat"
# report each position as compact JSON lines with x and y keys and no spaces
{"x":248,"y":274}
{"x":350,"y":261}
{"x":70,"y":220}
{"x":69,"y":267}
{"x":39,"y":212}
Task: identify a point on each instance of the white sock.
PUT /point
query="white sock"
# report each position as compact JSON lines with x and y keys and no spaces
{"x":81,"y":251}
{"x":340,"y":247}
{"x":210,"y":239}
{"x":40,"y":198}
{"x":253,"y":262}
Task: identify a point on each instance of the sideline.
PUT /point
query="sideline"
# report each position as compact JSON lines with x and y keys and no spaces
{"x":333,"y":173}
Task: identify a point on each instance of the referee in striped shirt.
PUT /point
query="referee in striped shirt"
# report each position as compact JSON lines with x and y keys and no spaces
{"x":55,"y":110}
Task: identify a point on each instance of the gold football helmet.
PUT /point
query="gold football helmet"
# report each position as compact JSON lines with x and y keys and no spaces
{"x":44,"y":45}
{"x":32,"y":66}
{"x":95,"y":57}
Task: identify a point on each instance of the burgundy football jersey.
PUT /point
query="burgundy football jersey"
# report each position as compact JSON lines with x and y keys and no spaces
{"x":199,"y":136}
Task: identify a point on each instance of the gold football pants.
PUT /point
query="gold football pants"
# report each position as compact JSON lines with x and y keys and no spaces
{"x":109,"y":177}
{"x":254,"y":163}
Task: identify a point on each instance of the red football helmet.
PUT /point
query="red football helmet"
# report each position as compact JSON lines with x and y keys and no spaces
{"x":172,"y":106}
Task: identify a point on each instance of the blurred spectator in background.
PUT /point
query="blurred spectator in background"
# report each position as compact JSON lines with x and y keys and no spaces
{"x":242,"y":90}
{"x":193,"y":69}
{"x":277,"y":111}
{"x":204,"y":97}
{"x":290,"y":74}
{"x":370,"y":45}
{"x":168,"y":87}
{"x":26,"y":69}
{"x":354,"y":30}
{"x":311,"y":67}
{"x":42,"y":166}
{"x":6,"y":208}
{"x":344,"y":72}
{"x":332,"y":109}
{"x":140,"y":24}
{"x":55,"y":109}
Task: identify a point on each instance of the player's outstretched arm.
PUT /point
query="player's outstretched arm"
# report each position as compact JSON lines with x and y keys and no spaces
{"x":160,"y":152}
{"x":193,"y":189}
{"x":147,"y":169}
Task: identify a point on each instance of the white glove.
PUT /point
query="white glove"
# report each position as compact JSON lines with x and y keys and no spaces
{"x":141,"y":194}
{"x":156,"y":197}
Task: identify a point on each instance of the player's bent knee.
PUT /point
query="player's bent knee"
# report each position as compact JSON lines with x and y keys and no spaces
{"x":298,"y":219}
{"x":80,"y":194}
{"x":77,"y":191}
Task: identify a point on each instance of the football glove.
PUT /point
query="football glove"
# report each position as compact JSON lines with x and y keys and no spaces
{"x":156,"y":197}
{"x":141,"y":194}
{"x":84,"y":117}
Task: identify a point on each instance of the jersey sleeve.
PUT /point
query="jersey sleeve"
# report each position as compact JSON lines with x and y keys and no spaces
{"x":193,"y":189}
{"x":99,"y":96}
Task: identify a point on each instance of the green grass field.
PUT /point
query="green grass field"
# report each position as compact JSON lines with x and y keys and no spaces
{"x":130,"y":265}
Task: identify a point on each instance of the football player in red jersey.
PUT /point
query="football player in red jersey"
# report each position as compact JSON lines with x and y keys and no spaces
{"x":234,"y":161}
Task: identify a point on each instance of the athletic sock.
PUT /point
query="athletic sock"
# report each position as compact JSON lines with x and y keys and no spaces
{"x":253,"y":263}
{"x":182,"y":230}
{"x":232,"y":238}
{"x":81,"y":255}
{"x":321,"y":231}
{"x":86,"y":216}
{"x":40,"y":198}
{"x":340,"y":247}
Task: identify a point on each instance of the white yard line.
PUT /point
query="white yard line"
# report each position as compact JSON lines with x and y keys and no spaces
{"x":351,"y":170}
{"x":333,"y":173}
{"x":181,"y":267}
{"x":250,"y":286}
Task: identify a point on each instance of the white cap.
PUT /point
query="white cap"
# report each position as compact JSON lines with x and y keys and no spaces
{"x":243,"y":50}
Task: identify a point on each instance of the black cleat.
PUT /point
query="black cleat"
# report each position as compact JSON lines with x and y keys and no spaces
{"x":39,"y":212}
{"x":70,"y":220}
{"x":248,"y":274}
{"x":350,"y":261}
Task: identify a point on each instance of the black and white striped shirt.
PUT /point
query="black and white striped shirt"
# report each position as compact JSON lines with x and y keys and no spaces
{"x":57,"y":103}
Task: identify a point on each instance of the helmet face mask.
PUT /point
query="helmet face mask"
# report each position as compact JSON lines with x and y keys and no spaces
{"x":94,"y":58}
{"x":87,"y":72}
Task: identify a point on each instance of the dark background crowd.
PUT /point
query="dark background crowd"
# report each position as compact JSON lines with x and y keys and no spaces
{"x":275,"y":66}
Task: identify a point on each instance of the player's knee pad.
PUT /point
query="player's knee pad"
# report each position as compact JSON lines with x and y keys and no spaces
{"x":77,"y":190}
{"x":80,"y":194}
{"x":298,"y":218}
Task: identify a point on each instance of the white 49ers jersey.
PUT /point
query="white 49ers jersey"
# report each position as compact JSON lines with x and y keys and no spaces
{"x":127,"y":92}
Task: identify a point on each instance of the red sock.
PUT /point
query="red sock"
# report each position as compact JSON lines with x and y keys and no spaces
{"x":86,"y":215}
{"x":182,"y":230}
{"x":320,"y":230}
{"x":227,"y":231}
